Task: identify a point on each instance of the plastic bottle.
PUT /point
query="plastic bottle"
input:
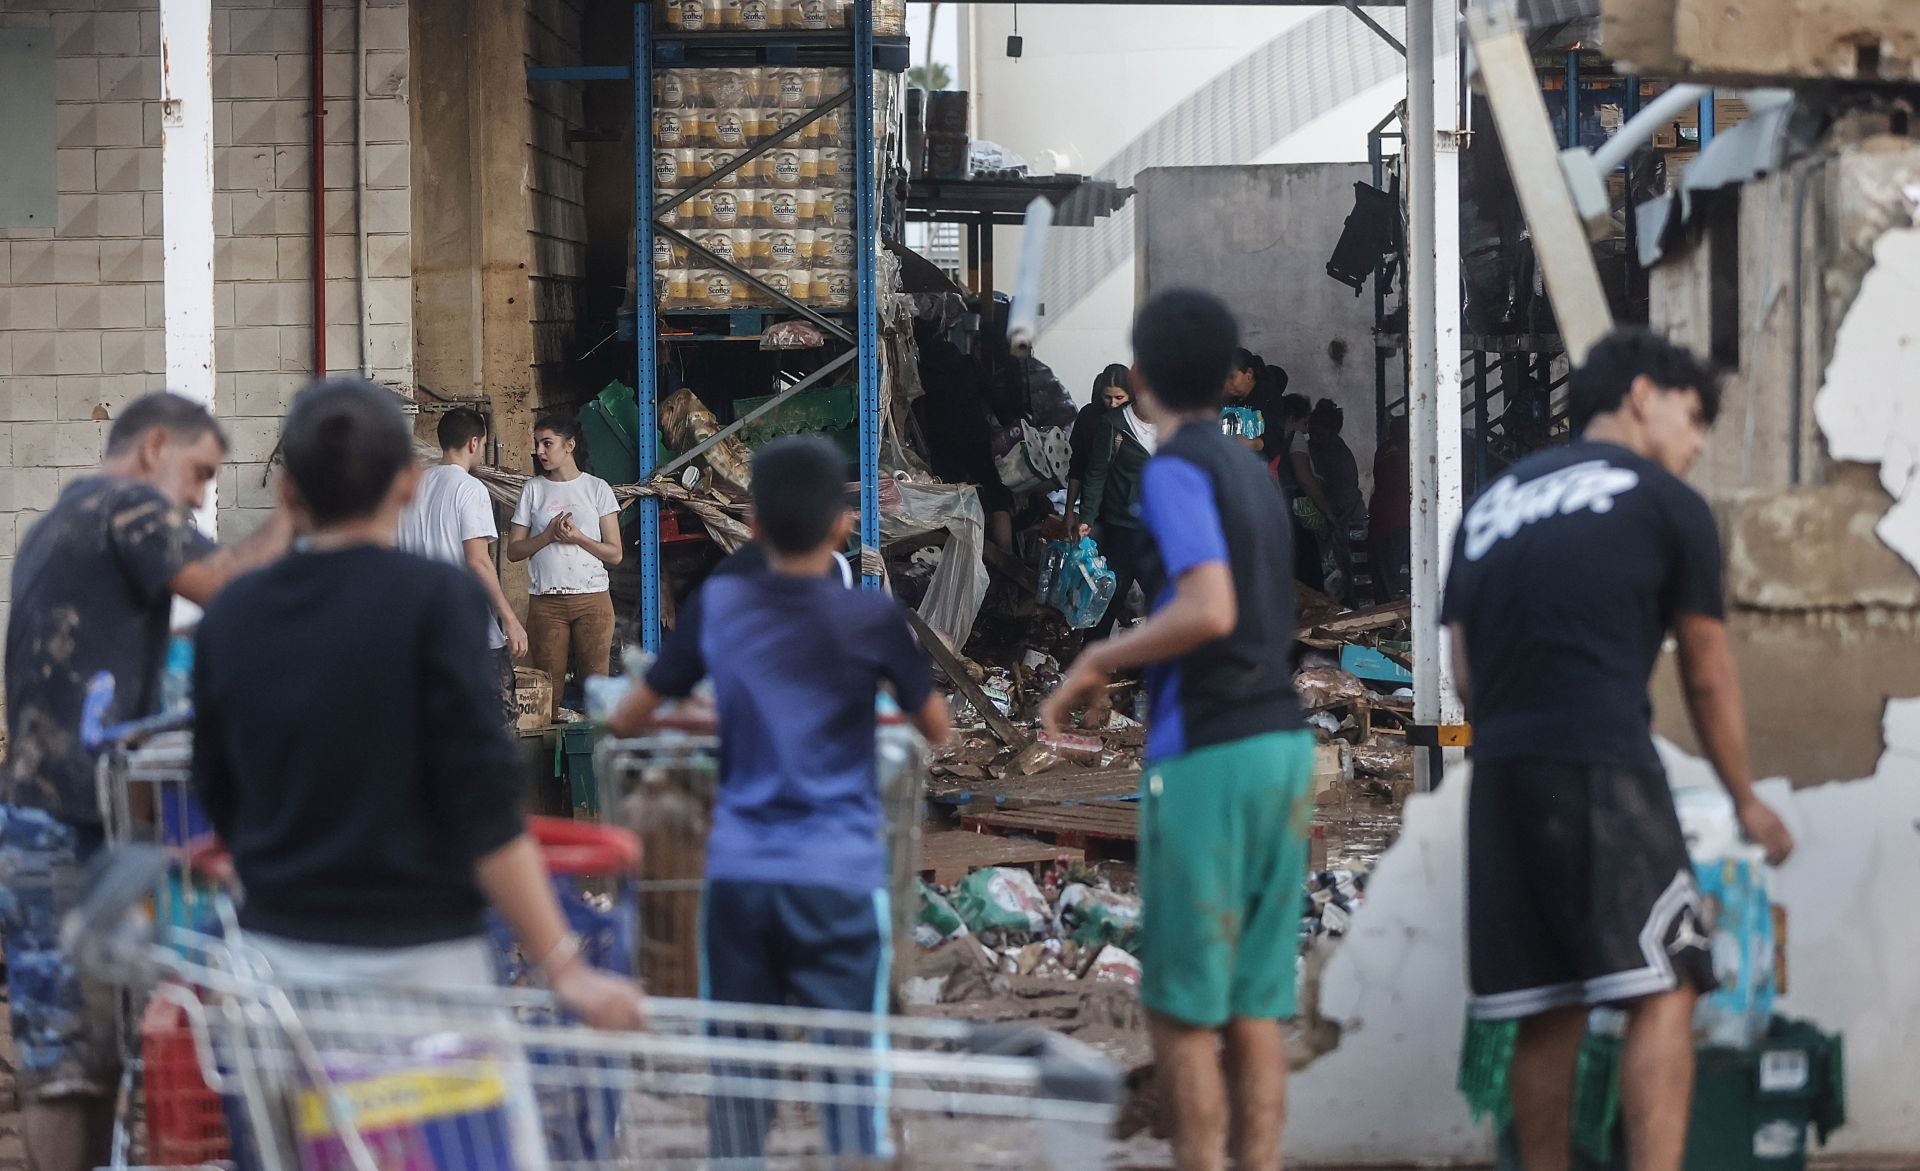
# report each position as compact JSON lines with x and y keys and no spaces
{"x":176,"y":683}
{"x":1052,"y":559}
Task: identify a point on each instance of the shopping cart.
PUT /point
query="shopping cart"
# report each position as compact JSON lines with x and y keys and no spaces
{"x":165,"y":1112}
{"x":381,"y":1078}
{"x":662,"y":787}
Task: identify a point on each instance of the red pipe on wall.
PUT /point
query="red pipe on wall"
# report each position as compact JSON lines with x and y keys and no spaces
{"x":319,"y":192}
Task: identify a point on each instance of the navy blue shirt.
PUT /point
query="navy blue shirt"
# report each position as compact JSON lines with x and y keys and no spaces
{"x":1204,"y":499}
{"x":1568,"y":571}
{"x":796,"y":664}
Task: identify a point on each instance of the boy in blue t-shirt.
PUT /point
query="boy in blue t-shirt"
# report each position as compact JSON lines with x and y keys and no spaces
{"x":1226,"y":797}
{"x":795,"y":909}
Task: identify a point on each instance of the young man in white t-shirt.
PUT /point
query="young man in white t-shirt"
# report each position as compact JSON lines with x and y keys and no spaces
{"x":451,"y":520}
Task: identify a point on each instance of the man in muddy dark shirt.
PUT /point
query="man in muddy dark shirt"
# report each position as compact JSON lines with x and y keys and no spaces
{"x":93,"y":585}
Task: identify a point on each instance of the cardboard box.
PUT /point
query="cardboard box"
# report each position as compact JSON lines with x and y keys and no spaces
{"x":947,"y":111}
{"x":532,"y":699}
{"x":948,"y":155}
{"x":1760,"y":40}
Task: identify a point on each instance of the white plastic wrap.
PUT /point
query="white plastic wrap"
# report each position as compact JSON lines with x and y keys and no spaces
{"x":959,"y":585}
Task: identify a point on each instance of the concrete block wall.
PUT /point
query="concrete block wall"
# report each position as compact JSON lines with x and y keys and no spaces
{"x":81,"y":306}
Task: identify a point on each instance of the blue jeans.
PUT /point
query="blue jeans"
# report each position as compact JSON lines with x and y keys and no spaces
{"x":64,"y":1028}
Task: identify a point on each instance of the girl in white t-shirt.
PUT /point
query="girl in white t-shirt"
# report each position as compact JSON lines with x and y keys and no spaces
{"x":569,"y":524}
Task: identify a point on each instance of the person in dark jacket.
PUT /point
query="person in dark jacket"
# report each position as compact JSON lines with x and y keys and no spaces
{"x":1258,"y":386}
{"x":1123,"y":445}
{"x":953,"y":418}
{"x":1339,"y":477}
{"x":1111,"y":391}
{"x":1390,"y":523}
{"x":1306,"y":502}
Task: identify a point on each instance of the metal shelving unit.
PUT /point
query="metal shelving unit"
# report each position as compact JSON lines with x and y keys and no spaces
{"x":859,"y":51}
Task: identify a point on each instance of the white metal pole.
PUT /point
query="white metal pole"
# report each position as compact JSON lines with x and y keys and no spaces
{"x":1433,"y":326}
{"x":186,"y":203}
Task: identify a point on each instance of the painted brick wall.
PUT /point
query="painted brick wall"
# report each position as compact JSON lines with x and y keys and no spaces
{"x":81,"y":309}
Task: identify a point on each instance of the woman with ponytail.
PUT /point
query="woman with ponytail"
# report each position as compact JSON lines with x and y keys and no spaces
{"x":569,"y":524}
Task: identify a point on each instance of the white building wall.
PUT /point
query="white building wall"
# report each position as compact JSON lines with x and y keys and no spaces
{"x":1095,"y":81}
{"x":81,"y":311}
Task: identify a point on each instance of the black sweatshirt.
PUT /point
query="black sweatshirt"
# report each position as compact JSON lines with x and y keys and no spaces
{"x":349,"y":749}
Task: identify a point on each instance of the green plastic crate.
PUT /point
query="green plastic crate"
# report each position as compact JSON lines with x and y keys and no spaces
{"x":573,"y":764}
{"x":611,"y":425}
{"x":821,"y":410}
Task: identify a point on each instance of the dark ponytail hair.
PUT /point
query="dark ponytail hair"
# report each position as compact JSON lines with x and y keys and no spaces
{"x":567,"y":426}
{"x":1114,"y":375}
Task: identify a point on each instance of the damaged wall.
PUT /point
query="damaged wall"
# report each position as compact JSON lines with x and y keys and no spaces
{"x":1825,"y":616}
{"x":1853,"y":961}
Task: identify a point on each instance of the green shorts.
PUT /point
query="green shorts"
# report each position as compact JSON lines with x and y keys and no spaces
{"x":1223,"y":863}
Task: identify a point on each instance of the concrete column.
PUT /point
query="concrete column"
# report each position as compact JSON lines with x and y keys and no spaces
{"x":186,"y":196}
{"x":473,"y":336}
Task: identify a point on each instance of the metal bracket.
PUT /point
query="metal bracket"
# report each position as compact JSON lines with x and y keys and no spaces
{"x":1379,"y":29}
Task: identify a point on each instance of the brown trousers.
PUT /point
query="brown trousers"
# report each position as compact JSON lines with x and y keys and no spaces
{"x":570,"y":630}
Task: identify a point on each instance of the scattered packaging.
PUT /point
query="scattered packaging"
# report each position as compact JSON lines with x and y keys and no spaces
{"x":1096,"y":916}
{"x":1002,"y":905}
{"x":1115,"y":965}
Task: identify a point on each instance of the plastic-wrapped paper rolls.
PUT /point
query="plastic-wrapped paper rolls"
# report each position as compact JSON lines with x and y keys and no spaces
{"x":725,"y":210}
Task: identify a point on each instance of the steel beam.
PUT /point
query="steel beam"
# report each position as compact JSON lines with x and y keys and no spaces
{"x":186,"y":205}
{"x":1433,"y":281}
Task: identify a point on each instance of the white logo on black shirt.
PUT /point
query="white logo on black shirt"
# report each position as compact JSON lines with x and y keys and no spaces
{"x":1509,"y":505}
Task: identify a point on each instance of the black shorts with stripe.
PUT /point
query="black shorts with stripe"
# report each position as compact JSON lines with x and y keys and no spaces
{"x":1579,"y":890}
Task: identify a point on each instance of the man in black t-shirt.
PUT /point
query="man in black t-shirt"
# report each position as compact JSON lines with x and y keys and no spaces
{"x":1568,"y":573}
{"x":371,"y":798}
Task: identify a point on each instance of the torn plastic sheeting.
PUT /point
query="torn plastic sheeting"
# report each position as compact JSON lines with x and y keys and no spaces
{"x":959,"y":586}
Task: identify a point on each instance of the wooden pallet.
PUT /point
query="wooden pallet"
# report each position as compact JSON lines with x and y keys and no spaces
{"x":1095,"y":826}
{"x":1055,"y":788}
{"x":948,"y":857}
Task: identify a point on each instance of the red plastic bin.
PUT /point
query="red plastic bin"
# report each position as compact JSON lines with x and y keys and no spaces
{"x":185,"y":1125}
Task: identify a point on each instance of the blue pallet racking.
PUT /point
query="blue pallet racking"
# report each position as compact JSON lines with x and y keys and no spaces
{"x":862,"y":52}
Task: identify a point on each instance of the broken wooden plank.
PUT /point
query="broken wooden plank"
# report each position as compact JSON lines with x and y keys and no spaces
{"x":956,"y":673}
{"x":1053,"y":788}
{"x":1361,"y":621}
{"x":1113,"y":820}
{"x":948,"y":857}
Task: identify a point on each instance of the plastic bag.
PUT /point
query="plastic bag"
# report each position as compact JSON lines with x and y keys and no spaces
{"x":1083,"y":586}
{"x":433,"y":1112}
{"x":937,"y":921}
{"x":1096,"y":917}
{"x":1115,"y":965}
{"x":1002,"y":905}
{"x":959,"y":583}
{"x":793,"y":335}
{"x":1242,"y":423}
{"x":1325,"y":686}
{"x":1739,"y":914}
{"x":687,"y":423}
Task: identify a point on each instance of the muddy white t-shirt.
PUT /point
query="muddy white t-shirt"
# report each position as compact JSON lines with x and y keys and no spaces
{"x":566,"y":569}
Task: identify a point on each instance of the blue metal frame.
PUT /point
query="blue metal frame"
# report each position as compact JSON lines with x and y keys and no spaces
{"x":1706,"y":119}
{"x":866,"y":228}
{"x":647,"y":50}
{"x":646,"y":326}
{"x":1572,"y":134}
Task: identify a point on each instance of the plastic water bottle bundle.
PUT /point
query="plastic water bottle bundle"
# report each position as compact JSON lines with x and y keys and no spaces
{"x":1242,"y":423}
{"x":1083,"y":586}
